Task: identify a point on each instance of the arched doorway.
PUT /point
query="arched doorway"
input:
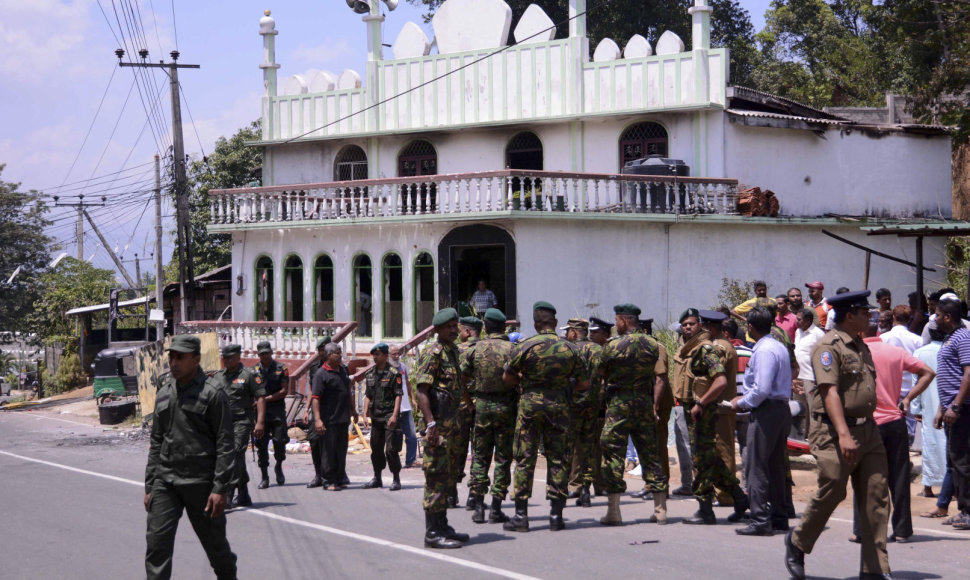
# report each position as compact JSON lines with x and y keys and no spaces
{"x":350,"y":164}
{"x":265,"y":285}
{"x":363,"y":295}
{"x":469,"y":254}
{"x":323,"y":306}
{"x":424,"y":304}
{"x":641,"y":140}
{"x":524,"y":151}
{"x":293,"y":289}
{"x":393,"y":295}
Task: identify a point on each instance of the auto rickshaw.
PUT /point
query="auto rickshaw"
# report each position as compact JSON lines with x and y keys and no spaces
{"x":110,"y":379}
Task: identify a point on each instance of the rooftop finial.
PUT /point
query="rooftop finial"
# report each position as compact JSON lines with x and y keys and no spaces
{"x":266,"y":12}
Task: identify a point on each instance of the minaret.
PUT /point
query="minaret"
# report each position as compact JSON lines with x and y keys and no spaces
{"x":267,"y":29}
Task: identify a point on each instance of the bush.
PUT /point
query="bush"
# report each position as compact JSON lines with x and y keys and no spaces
{"x":68,"y":376}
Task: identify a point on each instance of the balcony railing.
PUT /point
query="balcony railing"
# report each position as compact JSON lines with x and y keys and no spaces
{"x":478,"y":193}
{"x":290,"y":340}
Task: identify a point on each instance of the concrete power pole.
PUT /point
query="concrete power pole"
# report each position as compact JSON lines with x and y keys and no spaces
{"x":80,"y":205}
{"x":159,"y":280}
{"x":184,"y":228}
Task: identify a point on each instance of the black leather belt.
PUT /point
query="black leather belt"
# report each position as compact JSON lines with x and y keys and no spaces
{"x":850,"y":421}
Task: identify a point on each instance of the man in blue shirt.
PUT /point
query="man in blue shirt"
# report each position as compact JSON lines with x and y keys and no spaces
{"x":767,"y":390}
{"x":953,"y":382}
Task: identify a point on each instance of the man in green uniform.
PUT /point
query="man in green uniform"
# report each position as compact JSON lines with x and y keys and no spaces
{"x":246,"y":399}
{"x":276,"y":382}
{"x":482,"y":365}
{"x":438,"y":379}
{"x":600,"y":332}
{"x":546,"y":368}
{"x":699,"y":380}
{"x":384,"y":387}
{"x":585,"y":412}
{"x":627,"y":366}
{"x":845,"y":440}
{"x":190,"y":463}
{"x":314,"y":438}
{"x":469,"y":330}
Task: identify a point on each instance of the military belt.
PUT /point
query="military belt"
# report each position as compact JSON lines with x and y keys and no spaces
{"x":850,"y":421}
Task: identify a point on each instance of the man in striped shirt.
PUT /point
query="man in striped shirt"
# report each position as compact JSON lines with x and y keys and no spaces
{"x":953,"y":382}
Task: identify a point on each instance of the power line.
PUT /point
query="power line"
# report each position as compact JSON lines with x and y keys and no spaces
{"x":205,"y":159}
{"x":175,"y":26}
{"x":107,"y":144}
{"x":91,"y":126}
{"x":57,"y":187}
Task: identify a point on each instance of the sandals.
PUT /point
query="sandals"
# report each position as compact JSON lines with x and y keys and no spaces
{"x":933,"y":514}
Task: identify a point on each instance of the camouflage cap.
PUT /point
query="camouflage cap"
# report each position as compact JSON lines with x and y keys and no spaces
{"x":444,"y":316}
{"x":578,"y":323}
{"x":472,"y":321}
{"x":543,"y":305}
{"x":380,"y":347}
{"x":495,"y":315}
{"x":630,"y":309}
{"x":689,"y":313}
{"x":264,"y":347}
{"x":186,"y":343}
{"x":231,"y":350}
{"x":322,"y":342}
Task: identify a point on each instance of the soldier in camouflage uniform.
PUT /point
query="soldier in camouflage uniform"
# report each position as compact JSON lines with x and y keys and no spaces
{"x":495,"y":402}
{"x":699,"y":380}
{"x":546,"y":368}
{"x":600,"y":333}
{"x":246,"y":399}
{"x":469,"y":329}
{"x":627,"y":366}
{"x":586,"y":427}
{"x":726,"y":418}
{"x":438,"y":379}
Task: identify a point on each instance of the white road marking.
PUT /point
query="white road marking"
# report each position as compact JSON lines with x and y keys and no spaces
{"x":930,"y":531}
{"x":326,"y":529}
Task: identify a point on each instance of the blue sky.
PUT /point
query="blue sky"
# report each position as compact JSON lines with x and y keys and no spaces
{"x":59,"y":62}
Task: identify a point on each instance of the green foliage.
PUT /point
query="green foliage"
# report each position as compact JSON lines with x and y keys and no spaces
{"x":68,"y":376}
{"x":668,"y":338}
{"x":70,"y":285}
{"x":957,"y":253}
{"x":22,"y":222}
{"x":733,"y":292}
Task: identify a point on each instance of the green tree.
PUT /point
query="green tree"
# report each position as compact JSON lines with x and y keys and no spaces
{"x":231,"y":164}
{"x":23,"y":217}
{"x":71,"y":284}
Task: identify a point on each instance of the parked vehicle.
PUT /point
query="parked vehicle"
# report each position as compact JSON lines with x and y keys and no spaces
{"x":110,"y":379}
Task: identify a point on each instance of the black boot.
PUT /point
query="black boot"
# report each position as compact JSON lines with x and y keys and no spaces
{"x":396,"y":484}
{"x":704,"y":515}
{"x":374,"y":483}
{"x":280,"y":480}
{"x":556,"y":522}
{"x":317,"y":481}
{"x":471,"y":503}
{"x":242,"y":496}
{"x":433,"y":538}
{"x":741,"y":505}
{"x":448,"y":531}
{"x":453,"y":497}
{"x":520,"y":521}
{"x":584,"y":500}
{"x":264,"y":482}
{"x":230,"y":497}
{"x":496,"y":515}
{"x":479,"y":516}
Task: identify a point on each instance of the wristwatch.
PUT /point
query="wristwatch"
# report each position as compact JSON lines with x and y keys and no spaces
{"x":955,"y":408}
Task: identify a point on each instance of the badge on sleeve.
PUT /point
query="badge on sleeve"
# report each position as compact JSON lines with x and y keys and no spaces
{"x":825,"y":358}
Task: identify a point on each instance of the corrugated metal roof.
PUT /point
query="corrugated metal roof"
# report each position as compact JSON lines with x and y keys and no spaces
{"x":762,"y":114}
{"x":97,"y":307}
{"x":924,"y":228}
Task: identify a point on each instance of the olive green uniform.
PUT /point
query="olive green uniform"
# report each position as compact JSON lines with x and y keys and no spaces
{"x":275,"y":378}
{"x":382,"y":388}
{"x":466,"y":423}
{"x":846,"y":363}
{"x":190,"y":456}
{"x":242,"y":387}
{"x":664,"y":408}
{"x":586,"y":427}
{"x":495,"y":406}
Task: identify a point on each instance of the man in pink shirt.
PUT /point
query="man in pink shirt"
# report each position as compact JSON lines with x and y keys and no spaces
{"x":890,"y":415}
{"x":785,"y":320}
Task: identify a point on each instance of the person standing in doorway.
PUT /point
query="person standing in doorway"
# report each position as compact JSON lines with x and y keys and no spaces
{"x":483,"y":298}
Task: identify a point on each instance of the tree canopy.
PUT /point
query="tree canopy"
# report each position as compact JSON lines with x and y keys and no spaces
{"x":71,"y":284}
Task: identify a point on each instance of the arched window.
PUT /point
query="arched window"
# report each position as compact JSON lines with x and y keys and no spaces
{"x":265,"y":281}
{"x":323,"y":307}
{"x":363,"y":295}
{"x":393,"y":292}
{"x":350,"y":164}
{"x":642,"y":140}
{"x":524,"y":151}
{"x":424,"y":291}
{"x":418,"y":158}
{"x":293,"y":289}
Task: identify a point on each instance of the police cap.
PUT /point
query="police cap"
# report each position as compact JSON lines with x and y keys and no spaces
{"x":850,"y":300}
{"x":231,"y":350}
{"x":599,"y":324}
{"x":712,"y":316}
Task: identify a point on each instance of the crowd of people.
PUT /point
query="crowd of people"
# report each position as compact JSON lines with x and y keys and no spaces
{"x":591,"y":400}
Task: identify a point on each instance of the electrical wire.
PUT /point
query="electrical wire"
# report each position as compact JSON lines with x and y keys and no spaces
{"x":47,"y":190}
{"x":205,"y":159}
{"x":175,"y":26}
{"x":91,"y":126}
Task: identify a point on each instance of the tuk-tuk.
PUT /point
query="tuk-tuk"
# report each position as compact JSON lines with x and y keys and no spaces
{"x":110,"y":378}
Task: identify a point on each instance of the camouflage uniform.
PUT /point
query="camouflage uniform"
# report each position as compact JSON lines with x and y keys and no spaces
{"x":696,"y":364}
{"x":495,"y":406}
{"x":438,"y":368}
{"x":549,"y":366}
{"x":466,"y":421}
{"x":242,"y":387}
{"x":586,"y":427}
{"x":627,"y":366}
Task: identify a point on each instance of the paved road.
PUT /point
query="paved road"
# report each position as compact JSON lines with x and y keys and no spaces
{"x":72,"y":507}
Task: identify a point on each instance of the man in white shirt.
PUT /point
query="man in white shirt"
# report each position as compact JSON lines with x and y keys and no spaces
{"x":806,"y":336}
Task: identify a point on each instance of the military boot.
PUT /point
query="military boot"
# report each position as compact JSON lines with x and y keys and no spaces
{"x":433,"y":537}
{"x":612,"y":517}
{"x":556,"y":522}
{"x":317,"y":481}
{"x":520,"y":521}
{"x":242,"y":496}
{"x":479,"y":516}
{"x":280,"y":479}
{"x":741,"y":505}
{"x":659,"y":508}
{"x":374,"y":483}
{"x":396,"y":483}
{"x":703,"y":516}
{"x":584,"y":499}
{"x":495,"y":515}
{"x":264,"y":482}
{"x":448,"y":531}
{"x":471,"y":503}
{"x":230,"y":497}
{"x":453,"y":497}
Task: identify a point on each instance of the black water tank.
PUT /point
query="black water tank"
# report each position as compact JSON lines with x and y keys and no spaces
{"x":661,"y":199}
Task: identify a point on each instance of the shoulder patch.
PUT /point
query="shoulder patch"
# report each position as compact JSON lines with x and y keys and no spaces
{"x":258,"y":379}
{"x":825,"y":358}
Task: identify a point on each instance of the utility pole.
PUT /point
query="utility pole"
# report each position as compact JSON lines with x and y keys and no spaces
{"x":80,"y":205}
{"x":184,"y":229}
{"x":137,"y":270}
{"x":159,"y":281}
{"x":114,"y":257}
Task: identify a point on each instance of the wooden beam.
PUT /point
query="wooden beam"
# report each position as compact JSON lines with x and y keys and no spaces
{"x":875,"y":252}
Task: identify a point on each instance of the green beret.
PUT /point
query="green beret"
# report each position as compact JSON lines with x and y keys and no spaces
{"x":543,"y":305}
{"x":444,"y":316}
{"x":323,"y":342}
{"x":631,"y":309}
{"x":690,"y":312}
{"x":231,"y":350}
{"x":264,"y":346}
{"x":472,"y":321}
{"x":495,"y":315}
{"x":186,"y":343}
{"x":382,"y":347}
